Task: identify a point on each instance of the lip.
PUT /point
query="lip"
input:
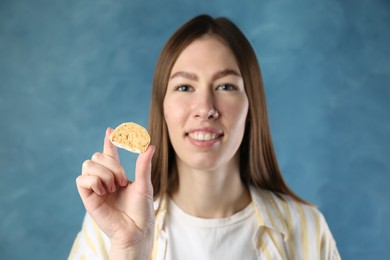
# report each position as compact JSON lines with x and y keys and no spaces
{"x":215,"y":132}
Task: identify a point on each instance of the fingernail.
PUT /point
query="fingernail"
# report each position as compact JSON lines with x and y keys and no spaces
{"x":102,"y":191}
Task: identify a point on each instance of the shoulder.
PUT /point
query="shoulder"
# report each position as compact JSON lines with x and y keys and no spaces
{"x":303,"y":226}
{"x":287,"y":213}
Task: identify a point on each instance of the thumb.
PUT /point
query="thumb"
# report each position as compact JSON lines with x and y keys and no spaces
{"x":109,"y":148}
{"x":143,"y":168}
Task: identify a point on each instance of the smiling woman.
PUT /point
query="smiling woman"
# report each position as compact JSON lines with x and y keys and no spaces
{"x":209,"y":186}
{"x":213,"y":104}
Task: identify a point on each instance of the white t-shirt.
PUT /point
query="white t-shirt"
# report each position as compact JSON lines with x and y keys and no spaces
{"x":198,"y":238}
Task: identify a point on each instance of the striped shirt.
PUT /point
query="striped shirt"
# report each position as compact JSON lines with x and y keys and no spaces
{"x":287,"y":229}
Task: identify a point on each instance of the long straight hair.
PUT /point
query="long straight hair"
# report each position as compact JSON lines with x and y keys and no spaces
{"x":258,"y":163}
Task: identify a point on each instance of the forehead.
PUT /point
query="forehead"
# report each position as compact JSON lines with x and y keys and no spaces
{"x":207,"y":51}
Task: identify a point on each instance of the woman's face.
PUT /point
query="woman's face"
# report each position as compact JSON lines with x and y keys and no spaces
{"x":205,"y":106}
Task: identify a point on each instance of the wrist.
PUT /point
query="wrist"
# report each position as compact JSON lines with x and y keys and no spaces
{"x":136,"y":253}
{"x":133,"y":254}
{"x":141,"y":250}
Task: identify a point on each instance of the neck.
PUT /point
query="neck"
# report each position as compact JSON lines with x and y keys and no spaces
{"x":217,"y":193}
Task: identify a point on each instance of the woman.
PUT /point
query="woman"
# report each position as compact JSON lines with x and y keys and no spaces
{"x":209,"y":187}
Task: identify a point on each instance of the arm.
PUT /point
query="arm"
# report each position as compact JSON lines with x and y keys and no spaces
{"x":123,"y":210}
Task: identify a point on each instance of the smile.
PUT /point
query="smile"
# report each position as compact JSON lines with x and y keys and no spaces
{"x":203,"y":136}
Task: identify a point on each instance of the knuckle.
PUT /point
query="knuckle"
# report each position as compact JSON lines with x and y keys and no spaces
{"x":95,"y":181}
{"x":96,"y":156}
{"x":78,"y":180}
{"x":120,"y":169}
{"x":109,"y":178}
{"x":86,"y":164}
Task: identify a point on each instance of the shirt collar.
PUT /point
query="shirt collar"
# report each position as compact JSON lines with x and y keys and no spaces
{"x":267,"y":211}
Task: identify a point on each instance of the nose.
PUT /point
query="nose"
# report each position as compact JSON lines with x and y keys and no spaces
{"x":205,"y":106}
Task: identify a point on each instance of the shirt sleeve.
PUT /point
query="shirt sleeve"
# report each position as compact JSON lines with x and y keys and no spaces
{"x":328,"y":244}
{"x":90,"y":243}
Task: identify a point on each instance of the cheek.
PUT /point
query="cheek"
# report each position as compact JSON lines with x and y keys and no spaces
{"x":237,"y":122}
{"x":167,"y":109}
{"x":237,"y":111}
{"x":173,"y":113}
{"x":167,"y":116}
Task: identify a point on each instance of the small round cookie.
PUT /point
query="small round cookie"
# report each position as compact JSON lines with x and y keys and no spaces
{"x":131,"y":136}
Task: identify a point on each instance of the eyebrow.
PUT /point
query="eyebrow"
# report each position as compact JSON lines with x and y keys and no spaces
{"x":194,"y":77}
{"x":184,"y":74}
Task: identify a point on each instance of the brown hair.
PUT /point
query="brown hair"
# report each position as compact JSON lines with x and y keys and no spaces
{"x":258,"y":164}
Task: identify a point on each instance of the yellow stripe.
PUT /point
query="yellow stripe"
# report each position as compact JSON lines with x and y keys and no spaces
{"x":265,"y":251}
{"x":99,"y":239}
{"x":89,"y":242}
{"x":266,"y":206}
{"x":277,"y":245}
{"x":75,"y":248}
{"x":312,"y":230}
{"x":155,"y":247}
{"x":324,"y":246}
{"x":303,"y":226}
{"x":159,"y":226}
{"x":268,"y":210}
{"x":259,"y":216}
{"x":261,"y":245}
{"x":317,"y":231}
{"x":277,"y":210}
{"x":280,"y":217}
{"x":290,"y":239}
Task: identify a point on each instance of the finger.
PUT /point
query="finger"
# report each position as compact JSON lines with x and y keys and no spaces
{"x":86,"y":184}
{"x":113,"y":166}
{"x":143,"y":172}
{"x":109,"y":148}
{"x":105,"y":175}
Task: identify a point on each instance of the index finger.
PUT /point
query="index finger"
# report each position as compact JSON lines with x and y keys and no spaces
{"x":109,"y":148}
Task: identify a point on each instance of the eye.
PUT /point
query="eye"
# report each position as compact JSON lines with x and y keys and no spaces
{"x":226,"y":87}
{"x":183,"y":88}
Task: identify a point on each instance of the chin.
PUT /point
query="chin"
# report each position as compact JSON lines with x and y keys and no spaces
{"x":203,"y":164}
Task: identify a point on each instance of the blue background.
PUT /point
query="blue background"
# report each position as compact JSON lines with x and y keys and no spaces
{"x":69,"y":69}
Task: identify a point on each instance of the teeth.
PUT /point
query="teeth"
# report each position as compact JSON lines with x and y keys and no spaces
{"x":202,"y":136}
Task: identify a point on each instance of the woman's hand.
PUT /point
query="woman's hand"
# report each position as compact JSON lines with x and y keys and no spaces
{"x":122,"y":209}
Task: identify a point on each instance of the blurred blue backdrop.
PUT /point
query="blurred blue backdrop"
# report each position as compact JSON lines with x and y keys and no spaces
{"x":69,"y":69}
